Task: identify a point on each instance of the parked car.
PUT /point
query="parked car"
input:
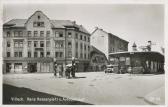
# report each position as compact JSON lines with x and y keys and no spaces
{"x":109,"y":69}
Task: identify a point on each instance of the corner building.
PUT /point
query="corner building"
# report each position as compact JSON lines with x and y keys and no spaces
{"x":30,"y":45}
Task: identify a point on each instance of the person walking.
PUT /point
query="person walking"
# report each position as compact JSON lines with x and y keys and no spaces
{"x":60,"y":70}
{"x":55,"y":69}
{"x":73,"y":67}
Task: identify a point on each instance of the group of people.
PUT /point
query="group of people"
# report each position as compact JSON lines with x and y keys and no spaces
{"x":70,"y":70}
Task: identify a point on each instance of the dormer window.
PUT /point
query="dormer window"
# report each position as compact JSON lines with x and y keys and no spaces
{"x":38,"y":24}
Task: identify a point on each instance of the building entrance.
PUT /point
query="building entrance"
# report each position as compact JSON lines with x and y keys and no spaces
{"x":32,"y":67}
{"x":18,"y":68}
{"x":8,"y":67}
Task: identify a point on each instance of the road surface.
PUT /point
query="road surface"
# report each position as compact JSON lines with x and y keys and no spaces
{"x":93,"y":87}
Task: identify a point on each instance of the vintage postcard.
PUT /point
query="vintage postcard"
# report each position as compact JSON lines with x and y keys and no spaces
{"x":83,"y":54}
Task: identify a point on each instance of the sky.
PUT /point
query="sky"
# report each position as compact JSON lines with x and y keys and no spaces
{"x":137,"y":23}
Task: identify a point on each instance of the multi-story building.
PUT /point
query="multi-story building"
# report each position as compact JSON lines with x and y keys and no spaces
{"x":30,"y":45}
{"x":107,"y":42}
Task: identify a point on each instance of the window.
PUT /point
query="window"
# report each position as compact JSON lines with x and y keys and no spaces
{"x":76,"y":55}
{"x":81,"y":37}
{"x":20,"y":54}
{"x":88,"y":39}
{"x":56,"y":34}
{"x":29,"y":43}
{"x":41,"y":33}
{"x":20,"y":33}
{"x":48,"y":54}
{"x":18,"y":44}
{"x":35,"y":54}
{"x":69,"y":54}
{"x":61,"y":34}
{"x":81,"y":55}
{"x":41,"y":43}
{"x":88,"y":48}
{"x":35,"y":44}
{"x":85,"y":47}
{"x":29,"y":54}
{"x":16,"y":54}
{"x":8,"y":54}
{"x":85,"y":38}
{"x":85,"y":55}
{"x":8,"y":43}
{"x":69,"y":45}
{"x":69,"y":34}
{"x":35,"y":33}
{"x":8,"y":34}
{"x":76,"y":36}
{"x":59,"y":44}
{"x":48,"y":34}
{"x":56,"y":54}
{"x":61,"y":54}
{"x":41,"y":54}
{"x":81,"y":46}
{"x":29,"y":33}
{"x":47,"y":43}
{"x":76,"y":45}
{"x":38,"y":24}
{"x":16,"y":34}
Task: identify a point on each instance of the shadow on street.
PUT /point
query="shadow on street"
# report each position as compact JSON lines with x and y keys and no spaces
{"x":12,"y":95}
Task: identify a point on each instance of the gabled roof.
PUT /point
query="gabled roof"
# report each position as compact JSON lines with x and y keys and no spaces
{"x":55,"y":24}
{"x":110,"y":34}
{"x":95,"y":50}
{"x":16,"y":23}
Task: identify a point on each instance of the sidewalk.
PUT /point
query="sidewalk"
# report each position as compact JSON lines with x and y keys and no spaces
{"x":156,"y":97}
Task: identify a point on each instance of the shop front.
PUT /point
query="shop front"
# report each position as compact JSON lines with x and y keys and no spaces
{"x":137,"y":62}
{"x":27,"y":65}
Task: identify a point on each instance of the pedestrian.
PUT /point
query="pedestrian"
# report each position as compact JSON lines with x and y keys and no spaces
{"x":73,"y":67}
{"x":55,"y":69}
{"x":67,"y":71}
{"x":60,"y":70}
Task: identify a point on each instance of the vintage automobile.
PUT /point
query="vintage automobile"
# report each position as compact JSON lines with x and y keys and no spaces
{"x":109,"y":69}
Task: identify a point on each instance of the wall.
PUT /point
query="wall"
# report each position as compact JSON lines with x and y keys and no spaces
{"x":99,"y":39}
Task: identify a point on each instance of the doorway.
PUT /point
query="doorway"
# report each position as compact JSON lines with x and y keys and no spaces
{"x":32,"y":67}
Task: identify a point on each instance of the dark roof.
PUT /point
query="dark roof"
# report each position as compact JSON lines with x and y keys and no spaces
{"x":117,"y":37}
{"x":148,"y":54}
{"x":108,"y":34}
{"x":16,"y":23}
{"x":55,"y":24}
{"x":95,"y":50}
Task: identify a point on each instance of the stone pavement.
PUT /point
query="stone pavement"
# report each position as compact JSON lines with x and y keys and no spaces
{"x":93,"y":87}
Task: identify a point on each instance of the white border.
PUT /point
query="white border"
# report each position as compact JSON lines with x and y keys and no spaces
{"x":165,"y":2}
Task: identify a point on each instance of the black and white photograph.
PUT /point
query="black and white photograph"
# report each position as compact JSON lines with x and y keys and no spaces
{"x":83,"y":54}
